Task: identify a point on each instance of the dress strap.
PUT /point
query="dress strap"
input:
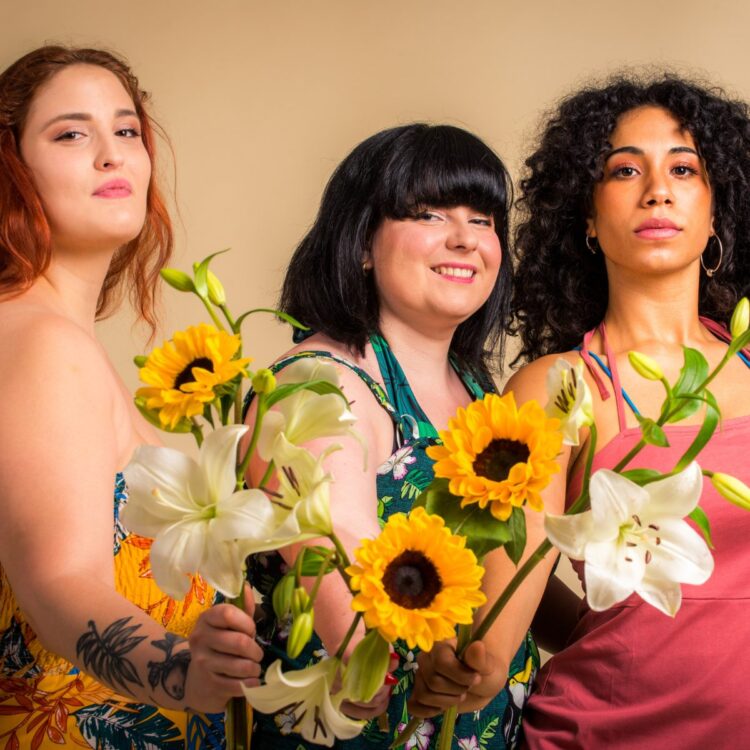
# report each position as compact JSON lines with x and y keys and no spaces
{"x":722,"y":333}
{"x":377,"y":390}
{"x":589,"y":357}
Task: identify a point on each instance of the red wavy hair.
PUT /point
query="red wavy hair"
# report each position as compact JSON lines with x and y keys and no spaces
{"x":25,"y":239}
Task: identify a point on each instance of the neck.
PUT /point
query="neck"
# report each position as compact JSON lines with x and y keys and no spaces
{"x":422,"y":354}
{"x":72,"y":283}
{"x":653,"y":308}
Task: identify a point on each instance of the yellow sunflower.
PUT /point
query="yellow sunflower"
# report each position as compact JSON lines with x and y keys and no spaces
{"x":416,"y":580}
{"x":182,"y":375}
{"x":498,"y":455}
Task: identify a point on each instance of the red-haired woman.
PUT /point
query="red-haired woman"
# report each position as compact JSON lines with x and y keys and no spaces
{"x":81,"y":218}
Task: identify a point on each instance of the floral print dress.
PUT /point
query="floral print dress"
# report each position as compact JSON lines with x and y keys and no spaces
{"x":400,"y":479}
{"x":46,"y":702}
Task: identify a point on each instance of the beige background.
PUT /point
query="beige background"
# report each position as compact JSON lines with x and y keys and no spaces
{"x":262,"y":99}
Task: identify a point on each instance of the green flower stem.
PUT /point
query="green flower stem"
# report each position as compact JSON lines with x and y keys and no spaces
{"x":344,"y":561}
{"x":242,"y":468}
{"x":445,"y":740}
{"x":197,"y":432}
{"x":589,"y":459}
{"x":232,"y":323}
{"x":349,"y":635}
{"x":235,"y":718}
{"x":321,"y":573}
{"x":212,"y":313}
{"x":267,"y":475}
{"x":406,"y":733}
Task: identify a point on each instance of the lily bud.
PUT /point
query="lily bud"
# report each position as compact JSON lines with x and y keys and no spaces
{"x":264,"y":381}
{"x":282,"y":596}
{"x":740,"y":318}
{"x":178,"y":280}
{"x":299,"y":634}
{"x":300,"y":601}
{"x":645,"y":366}
{"x":732,"y":489}
{"x":140,"y":360}
{"x":367,"y":667}
{"x":216,"y":292}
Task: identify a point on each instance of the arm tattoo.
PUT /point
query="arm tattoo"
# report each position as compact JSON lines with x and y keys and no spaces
{"x":172,"y":671}
{"x":104,"y":654}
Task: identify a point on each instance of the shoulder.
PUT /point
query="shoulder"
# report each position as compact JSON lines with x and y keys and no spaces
{"x":530,"y":381}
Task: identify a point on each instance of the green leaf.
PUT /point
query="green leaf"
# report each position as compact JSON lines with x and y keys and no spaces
{"x":653,"y":434}
{"x":178,"y":280}
{"x":517,"y":543}
{"x":278,"y":313}
{"x":312,"y":560}
{"x":201,"y":273}
{"x":482,"y":530}
{"x":710,"y":423}
{"x":642,"y":476}
{"x":700,"y":518}
{"x":320,"y":387}
{"x":692,"y":374}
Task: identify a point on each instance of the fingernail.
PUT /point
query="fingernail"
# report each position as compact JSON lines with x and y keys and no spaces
{"x":390,"y":679}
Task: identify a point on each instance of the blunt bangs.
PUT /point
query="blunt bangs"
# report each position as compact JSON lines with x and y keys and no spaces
{"x":443,"y":166}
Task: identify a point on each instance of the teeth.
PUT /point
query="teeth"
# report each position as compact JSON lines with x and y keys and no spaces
{"x":461,"y":273}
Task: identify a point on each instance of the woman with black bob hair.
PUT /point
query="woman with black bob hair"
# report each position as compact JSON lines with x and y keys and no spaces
{"x":394,"y":174}
{"x":404,"y":280}
{"x":634,"y":236}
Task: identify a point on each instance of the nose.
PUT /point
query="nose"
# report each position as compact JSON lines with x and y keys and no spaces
{"x":657,"y":191}
{"x":109,"y":155}
{"x":463,"y":237}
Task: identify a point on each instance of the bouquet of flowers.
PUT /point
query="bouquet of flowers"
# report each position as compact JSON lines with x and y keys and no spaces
{"x":420,"y":579}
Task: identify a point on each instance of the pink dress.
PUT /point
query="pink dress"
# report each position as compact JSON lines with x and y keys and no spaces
{"x":632,"y":677}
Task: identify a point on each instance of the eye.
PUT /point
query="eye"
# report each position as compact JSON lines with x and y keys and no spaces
{"x":624,"y":171}
{"x":684,"y":170}
{"x":428,"y":215}
{"x":69,"y":135}
{"x":483,"y":221}
{"x":130,"y":132}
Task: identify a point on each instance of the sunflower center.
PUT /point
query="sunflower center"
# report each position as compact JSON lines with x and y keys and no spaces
{"x":499,"y":457}
{"x":186,"y":376}
{"x":411,"y":580}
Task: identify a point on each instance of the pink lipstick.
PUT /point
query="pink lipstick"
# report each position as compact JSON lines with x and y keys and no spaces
{"x":114,"y":189}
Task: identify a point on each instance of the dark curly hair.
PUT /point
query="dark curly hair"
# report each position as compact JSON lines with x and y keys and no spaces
{"x":560,"y":289}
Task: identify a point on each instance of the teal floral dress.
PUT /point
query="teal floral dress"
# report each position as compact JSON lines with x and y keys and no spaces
{"x":400,"y":479}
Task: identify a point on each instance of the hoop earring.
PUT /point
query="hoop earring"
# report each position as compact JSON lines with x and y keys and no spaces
{"x":592,"y":250}
{"x":711,"y":271}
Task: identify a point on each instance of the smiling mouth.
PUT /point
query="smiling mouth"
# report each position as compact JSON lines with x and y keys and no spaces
{"x":457,"y":273}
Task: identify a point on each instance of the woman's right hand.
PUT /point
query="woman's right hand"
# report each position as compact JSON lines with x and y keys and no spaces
{"x":443,"y":680}
{"x":224,"y":655}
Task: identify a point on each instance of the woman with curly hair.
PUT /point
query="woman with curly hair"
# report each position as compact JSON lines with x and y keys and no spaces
{"x":635,"y":235}
{"x":91,"y":652}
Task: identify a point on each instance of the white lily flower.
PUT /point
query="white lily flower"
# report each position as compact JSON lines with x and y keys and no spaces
{"x":300,"y":505}
{"x":199,"y":524}
{"x":634,"y":539}
{"x":306,"y":694}
{"x":569,"y":399}
{"x":305,"y":415}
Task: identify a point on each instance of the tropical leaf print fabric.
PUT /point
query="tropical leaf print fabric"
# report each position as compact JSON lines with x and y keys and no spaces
{"x":400,"y":479}
{"x":46,"y":702}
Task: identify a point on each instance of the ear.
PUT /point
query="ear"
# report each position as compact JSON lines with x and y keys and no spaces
{"x":590,"y":227}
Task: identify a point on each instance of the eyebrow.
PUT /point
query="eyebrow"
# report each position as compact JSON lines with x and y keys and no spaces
{"x":640,"y":152}
{"x":85,"y":117}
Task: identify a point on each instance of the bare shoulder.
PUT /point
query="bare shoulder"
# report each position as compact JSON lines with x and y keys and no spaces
{"x":531,"y":380}
{"x":49,"y":352}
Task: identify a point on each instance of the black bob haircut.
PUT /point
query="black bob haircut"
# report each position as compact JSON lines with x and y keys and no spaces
{"x":560,"y":288}
{"x":393,"y":174}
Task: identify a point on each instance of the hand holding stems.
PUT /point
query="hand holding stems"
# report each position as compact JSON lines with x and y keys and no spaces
{"x":224,"y":655}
